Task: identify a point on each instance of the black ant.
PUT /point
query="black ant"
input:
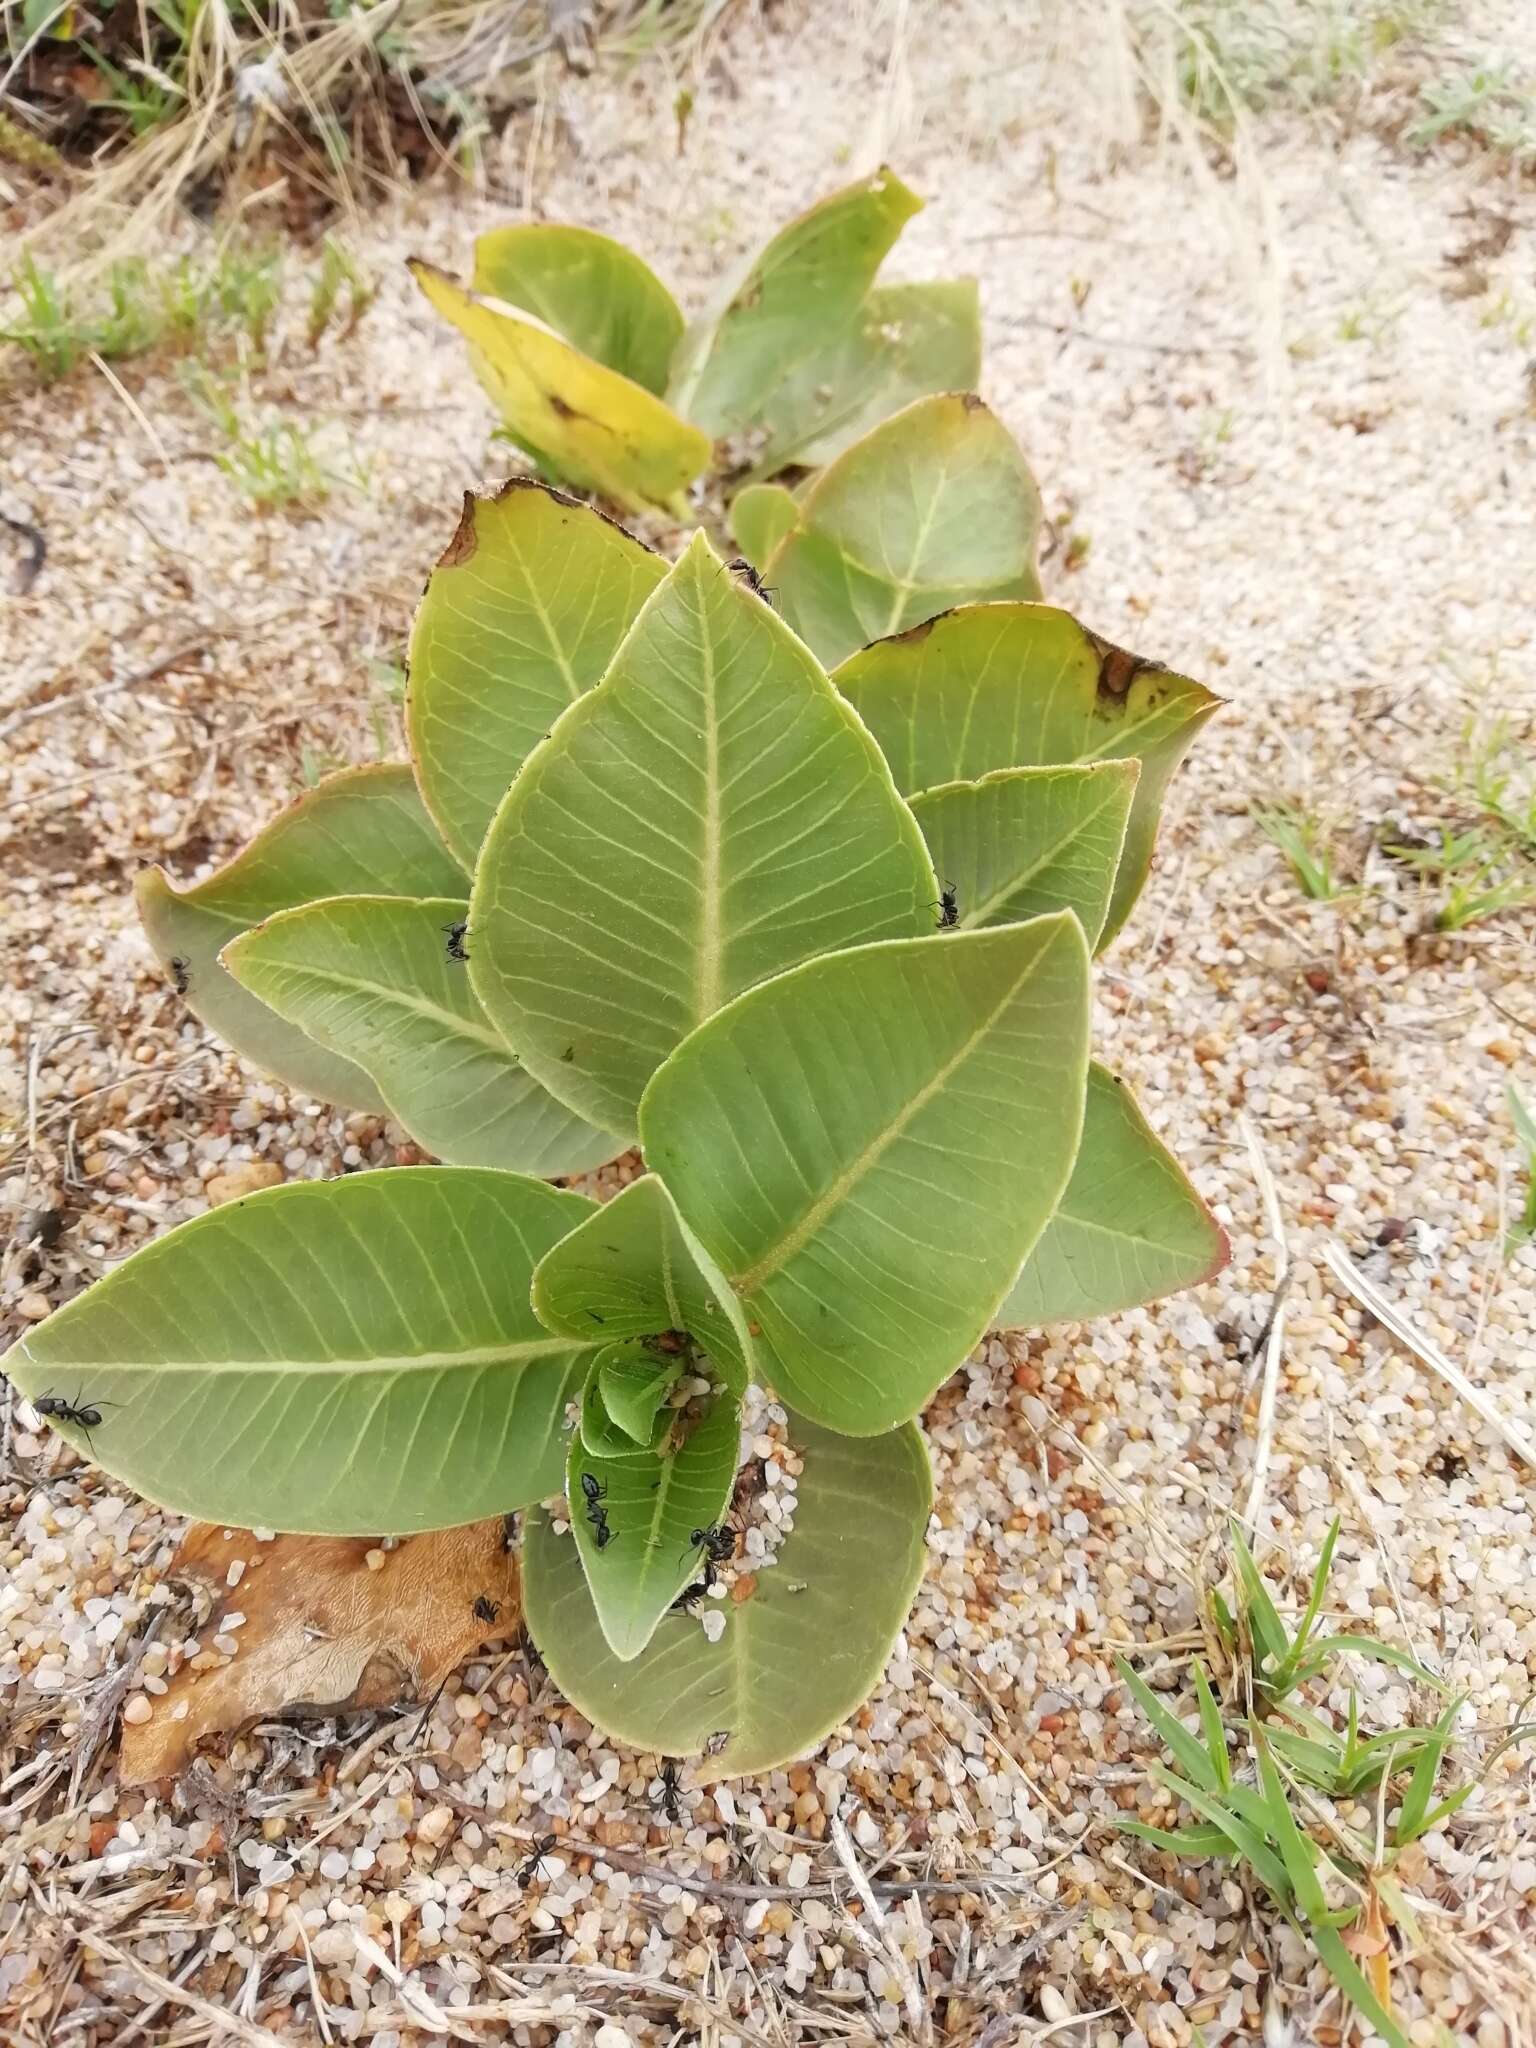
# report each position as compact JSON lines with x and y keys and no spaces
{"x":528,"y":1870}
{"x":602,"y":1535}
{"x":181,"y":974}
{"x":54,"y":1408}
{"x":668,"y":1801}
{"x":594,"y":1489}
{"x":949,"y":908}
{"x":743,"y":570}
{"x":717,"y":1542}
{"x":486,"y":1609}
{"x":457,"y":950}
{"x":690,"y":1597}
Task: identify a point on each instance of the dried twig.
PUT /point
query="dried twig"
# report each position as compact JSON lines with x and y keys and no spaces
{"x":225,"y":2023}
{"x":1272,"y":1336}
{"x":1428,"y":1353}
{"x":172,"y":659}
{"x":912,"y":1997}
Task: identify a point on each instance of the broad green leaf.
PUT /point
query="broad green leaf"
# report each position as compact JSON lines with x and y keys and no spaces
{"x":594,"y":291}
{"x":633,"y":1383}
{"x":345,"y":1357}
{"x":1129,"y":1229}
{"x":585,"y":422}
{"x":710,"y":815}
{"x":1024,"y":685}
{"x":599,"y":1433}
{"x":521,"y":616}
{"x":1022,"y":841}
{"x":781,"y":309}
{"x":372,"y":978}
{"x":761,"y":515}
{"x":869,"y":1145}
{"x":635,"y":1540}
{"x":795,"y":1659}
{"x":904,"y":342}
{"x":363,"y":828}
{"x":633,"y":1269}
{"x":934,"y":508}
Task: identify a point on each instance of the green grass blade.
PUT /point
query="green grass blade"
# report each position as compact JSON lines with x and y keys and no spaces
{"x":1189,"y":1751}
{"x":1211,"y":1722}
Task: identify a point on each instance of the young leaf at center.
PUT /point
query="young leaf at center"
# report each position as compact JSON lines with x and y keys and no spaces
{"x":794,"y":1659}
{"x":872,"y":1242}
{"x":635,"y":1533}
{"x":709,"y":815}
{"x":633,"y":1269}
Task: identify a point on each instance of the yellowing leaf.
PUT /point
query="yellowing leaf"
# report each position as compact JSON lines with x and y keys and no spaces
{"x":589,"y":288}
{"x":573,"y":415}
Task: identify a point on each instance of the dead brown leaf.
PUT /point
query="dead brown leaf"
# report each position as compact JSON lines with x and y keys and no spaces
{"x":324,"y":1629}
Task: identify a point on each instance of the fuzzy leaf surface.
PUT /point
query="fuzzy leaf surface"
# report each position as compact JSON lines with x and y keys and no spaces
{"x":592,"y":290}
{"x":904,"y":342}
{"x":796,"y":1658}
{"x":1023,"y":841}
{"x":371,"y":978}
{"x":936,"y":507}
{"x":578,"y":419}
{"x":1129,"y":1229}
{"x":708,"y":816}
{"x":869,"y":1147}
{"x":342,"y":1357}
{"x":521,"y":616}
{"x":782,"y":308}
{"x":1024,"y":685}
{"x":361,"y":829}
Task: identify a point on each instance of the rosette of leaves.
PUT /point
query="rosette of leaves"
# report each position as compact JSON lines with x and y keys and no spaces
{"x":605,"y":387}
{"x":819,"y":945}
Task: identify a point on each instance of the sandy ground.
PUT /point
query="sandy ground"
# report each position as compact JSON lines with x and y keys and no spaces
{"x":1297,"y":431}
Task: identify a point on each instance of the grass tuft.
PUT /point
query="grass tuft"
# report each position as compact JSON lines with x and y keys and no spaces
{"x":1275,"y":1785}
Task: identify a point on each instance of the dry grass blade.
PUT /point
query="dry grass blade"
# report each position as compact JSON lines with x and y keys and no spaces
{"x":912,"y":1997}
{"x":1427,"y":1352}
{"x":1274,"y":1335}
{"x":225,"y":2024}
{"x":304,"y":83}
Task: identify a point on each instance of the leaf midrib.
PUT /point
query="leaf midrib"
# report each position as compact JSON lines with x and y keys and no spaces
{"x":825,"y":1205}
{"x":451,"y":1020}
{"x":522,"y":1353}
{"x":1052,"y":854}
